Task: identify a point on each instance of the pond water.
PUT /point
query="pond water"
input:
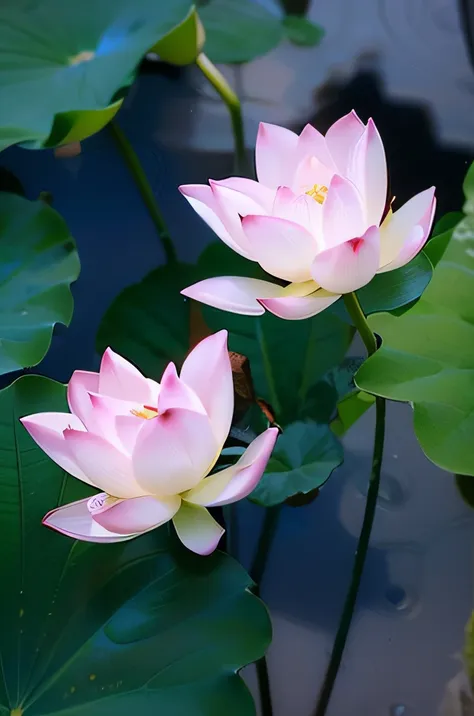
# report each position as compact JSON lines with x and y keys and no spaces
{"x":405,"y":63}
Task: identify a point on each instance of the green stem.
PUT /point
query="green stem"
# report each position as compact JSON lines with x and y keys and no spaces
{"x":145,"y":189}
{"x":265,"y":541}
{"x":231,"y":520}
{"x":263,"y":678}
{"x":257,"y":570}
{"x":231,"y":100}
{"x":355,"y":311}
{"x":353,"y":307}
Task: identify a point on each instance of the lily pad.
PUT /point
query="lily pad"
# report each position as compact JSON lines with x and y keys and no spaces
{"x":149,"y":322}
{"x":64,"y":66}
{"x":391,"y":290}
{"x":349,"y":409}
{"x":441,"y":237}
{"x":38,"y":263}
{"x":304,"y":457}
{"x":427,"y":357}
{"x":301,"y":31}
{"x":238,"y":30}
{"x":141,"y":626}
{"x":184,"y":42}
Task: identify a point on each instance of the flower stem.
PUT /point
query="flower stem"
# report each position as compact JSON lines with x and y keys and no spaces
{"x":144,"y":188}
{"x":231,"y":100}
{"x":355,"y":311}
{"x":265,"y":541}
{"x":231,"y":520}
{"x":257,"y":570}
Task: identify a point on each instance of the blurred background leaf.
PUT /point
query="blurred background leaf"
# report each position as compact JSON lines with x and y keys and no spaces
{"x":301,"y":31}
{"x":303,"y":459}
{"x":238,"y":30}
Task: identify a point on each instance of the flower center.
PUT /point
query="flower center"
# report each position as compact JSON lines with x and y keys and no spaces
{"x":147,"y":413}
{"x":318,"y":193}
{"x":81,"y":57}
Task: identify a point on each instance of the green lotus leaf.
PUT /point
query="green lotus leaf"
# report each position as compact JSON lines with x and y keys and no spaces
{"x":149,"y":322}
{"x":238,"y":30}
{"x":304,"y":457}
{"x":38,"y":263}
{"x":100,"y":630}
{"x":427,"y":357}
{"x":64,"y":66}
{"x":301,"y":31}
{"x":184,"y":42}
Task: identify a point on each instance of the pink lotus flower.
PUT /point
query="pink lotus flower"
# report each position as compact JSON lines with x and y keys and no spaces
{"x":150,"y":448}
{"x":313,"y":220}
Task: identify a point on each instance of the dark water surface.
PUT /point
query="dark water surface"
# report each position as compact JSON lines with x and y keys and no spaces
{"x":404,"y":62}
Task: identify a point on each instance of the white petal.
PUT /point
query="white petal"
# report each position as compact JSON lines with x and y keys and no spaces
{"x":261,"y":194}
{"x":275,"y":155}
{"x":376,"y":180}
{"x":236,"y":482}
{"x":283,"y":248}
{"x":208,"y":372}
{"x":233,"y":293}
{"x":397,"y":227}
{"x":174,"y":451}
{"x":301,"y":209}
{"x":47,"y":430}
{"x":197,"y":529}
{"x":412,"y":246}
{"x":203,"y":201}
{"x":175,"y":393}
{"x":118,"y":378}
{"x":343,"y":214}
{"x":296,"y":308}
{"x":136,"y":515}
{"x":82,"y":383}
{"x":350,"y":265}
{"x":231,"y":206}
{"x":342,"y":138}
{"x":74,"y":520}
{"x":312,"y":143}
{"x":106,"y":467}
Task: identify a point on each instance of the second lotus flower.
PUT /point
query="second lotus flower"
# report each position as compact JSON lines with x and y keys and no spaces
{"x":316,"y":220}
{"x":150,"y":448}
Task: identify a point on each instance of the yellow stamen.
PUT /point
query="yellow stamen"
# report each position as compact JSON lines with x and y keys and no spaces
{"x":147,"y":413}
{"x":81,"y":57}
{"x":318,"y":193}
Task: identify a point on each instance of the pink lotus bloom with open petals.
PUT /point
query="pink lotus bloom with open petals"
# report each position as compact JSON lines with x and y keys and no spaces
{"x":150,"y":447}
{"x":314,"y":220}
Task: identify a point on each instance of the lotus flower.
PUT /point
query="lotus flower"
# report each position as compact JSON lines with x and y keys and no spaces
{"x":314,"y":220}
{"x":150,"y":447}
